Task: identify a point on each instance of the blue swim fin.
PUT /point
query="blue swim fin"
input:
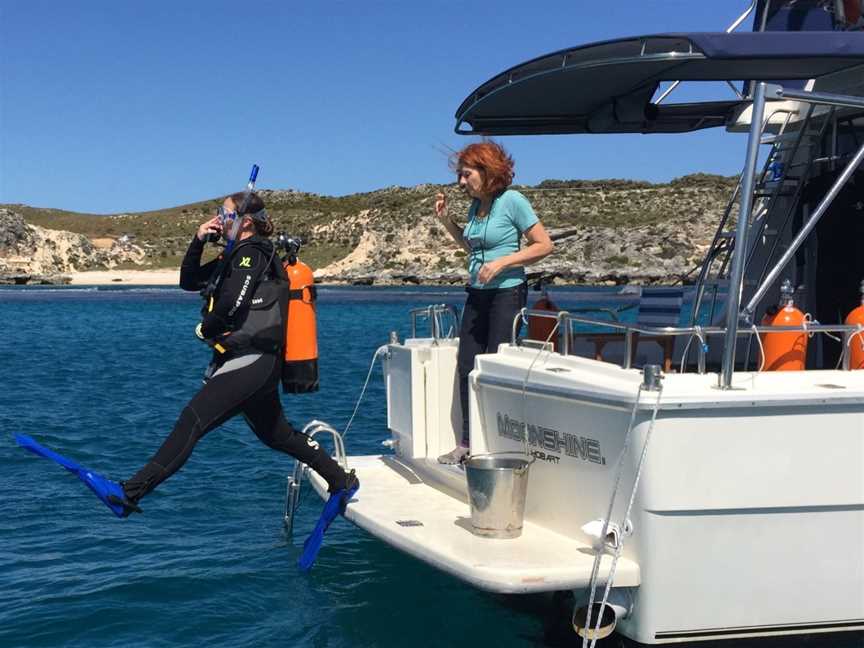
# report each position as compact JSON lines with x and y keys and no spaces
{"x":334,"y":506}
{"x":109,"y":492}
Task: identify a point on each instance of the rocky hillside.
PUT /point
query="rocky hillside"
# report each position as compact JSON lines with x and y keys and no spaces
{"x":605,"y":231}
{"x":33,"y":254}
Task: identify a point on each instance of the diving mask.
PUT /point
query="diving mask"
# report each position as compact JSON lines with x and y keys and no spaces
{"x":230,"y":221}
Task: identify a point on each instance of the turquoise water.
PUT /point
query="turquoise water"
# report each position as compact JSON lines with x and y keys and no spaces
{"x":100,"y":375}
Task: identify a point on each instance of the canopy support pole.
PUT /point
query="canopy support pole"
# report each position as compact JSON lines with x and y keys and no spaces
{"x":740,"y":251}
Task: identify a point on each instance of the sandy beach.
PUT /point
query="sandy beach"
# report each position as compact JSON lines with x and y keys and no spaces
{"x":125,"y":277}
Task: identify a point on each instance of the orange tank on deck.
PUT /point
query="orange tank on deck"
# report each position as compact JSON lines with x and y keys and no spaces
{"x":856,"y":343}
{"x":784,"y":351}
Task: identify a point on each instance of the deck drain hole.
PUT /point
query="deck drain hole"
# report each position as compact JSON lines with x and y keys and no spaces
{"x":409,"y":523}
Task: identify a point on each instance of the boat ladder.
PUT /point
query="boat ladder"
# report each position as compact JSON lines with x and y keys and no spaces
{"x":295,"y":480}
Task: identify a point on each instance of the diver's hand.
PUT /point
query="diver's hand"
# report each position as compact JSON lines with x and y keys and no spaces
{"x":489,"y":270}
{"x":212,"y":226}
{"x":441,"y":206}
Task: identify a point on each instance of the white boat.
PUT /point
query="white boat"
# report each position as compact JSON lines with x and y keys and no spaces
{"x":717,"y":501}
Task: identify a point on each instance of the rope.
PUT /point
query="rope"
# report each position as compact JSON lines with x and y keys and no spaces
{"x":761,"y":350}
{"x":379,"y":351}
{"x":595,"y":568}
{"x":699,"y":335}
{"x":857,"y":334}
{"x":620,"y":548}
{"x":540,"y":351}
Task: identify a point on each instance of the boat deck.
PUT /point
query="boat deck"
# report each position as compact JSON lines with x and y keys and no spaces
{"x":414,"y":514}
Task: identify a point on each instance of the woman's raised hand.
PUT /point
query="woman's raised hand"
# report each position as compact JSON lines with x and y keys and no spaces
{"x":441,"y":205}
{"x":212,"y":226}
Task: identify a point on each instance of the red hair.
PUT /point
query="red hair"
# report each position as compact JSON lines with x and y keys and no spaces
{"x":492,"y":159}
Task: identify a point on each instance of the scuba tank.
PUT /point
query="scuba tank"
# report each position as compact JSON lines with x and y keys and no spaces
{"x":300,"y":368}
{"x":540,"y":328}
{"x":787,"y":350}
{"x":856,"y":341}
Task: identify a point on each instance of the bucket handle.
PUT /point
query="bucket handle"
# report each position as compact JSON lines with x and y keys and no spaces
{"x":529,"y":458}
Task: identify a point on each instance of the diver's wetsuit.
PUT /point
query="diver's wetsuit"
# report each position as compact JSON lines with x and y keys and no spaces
{"x":244,"y":381}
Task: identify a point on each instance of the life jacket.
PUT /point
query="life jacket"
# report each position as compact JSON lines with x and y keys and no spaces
{"x":262,"y":327}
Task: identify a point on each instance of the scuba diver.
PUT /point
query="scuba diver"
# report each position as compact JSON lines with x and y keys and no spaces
{"x":242,"y":321}
{"x":246,"y":295}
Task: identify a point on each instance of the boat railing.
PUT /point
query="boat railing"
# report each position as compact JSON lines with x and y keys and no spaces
{"x":438,"y":315}
{"x":630,"y":331}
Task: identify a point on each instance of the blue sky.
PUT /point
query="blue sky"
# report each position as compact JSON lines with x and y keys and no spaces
{"x":111,"y":106}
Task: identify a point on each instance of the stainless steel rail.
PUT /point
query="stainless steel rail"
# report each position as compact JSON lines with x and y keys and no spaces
{"x":813,"y":98}
{"x":295,"y":481}
{"x":736,"y":276}
{"x":804,"y":232}
{"x":819,"y":98}
{"x":565,"y":319}
{"x":731,"y":28}
{"x":435,"y":313}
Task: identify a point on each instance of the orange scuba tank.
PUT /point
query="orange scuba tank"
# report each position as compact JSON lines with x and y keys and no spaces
{"x":856,"y":340}
{"x":787,"y":350}
{"x":300,"y":369}
{"x":540,"y":328}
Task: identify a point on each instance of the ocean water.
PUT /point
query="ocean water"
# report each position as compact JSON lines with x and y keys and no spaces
{"x":100,"y":375}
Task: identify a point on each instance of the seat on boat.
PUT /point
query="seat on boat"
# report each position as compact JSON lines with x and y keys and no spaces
{"x":658,"y":307}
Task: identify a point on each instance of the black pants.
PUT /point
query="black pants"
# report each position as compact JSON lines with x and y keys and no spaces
{"x":245,"y":385}
{"x":487,"y":321}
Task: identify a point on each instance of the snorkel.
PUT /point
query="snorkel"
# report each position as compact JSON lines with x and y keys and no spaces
{"x":231,"y":232}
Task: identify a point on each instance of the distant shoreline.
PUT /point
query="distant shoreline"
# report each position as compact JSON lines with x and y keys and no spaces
{"x":172,"y":278}
{"x":124,"y":278}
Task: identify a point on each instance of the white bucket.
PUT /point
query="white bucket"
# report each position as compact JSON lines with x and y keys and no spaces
{"x":497,"y":487}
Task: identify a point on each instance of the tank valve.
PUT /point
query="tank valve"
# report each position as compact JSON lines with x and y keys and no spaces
{"x":787,"y":292}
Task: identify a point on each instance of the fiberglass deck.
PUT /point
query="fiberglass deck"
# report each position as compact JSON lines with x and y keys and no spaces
{"x":396,"y":505}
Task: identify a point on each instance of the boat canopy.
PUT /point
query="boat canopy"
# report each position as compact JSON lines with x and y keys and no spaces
{"x":607,"y":87}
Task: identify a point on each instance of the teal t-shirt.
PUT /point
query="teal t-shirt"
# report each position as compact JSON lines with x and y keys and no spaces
{"x":498,"y":235}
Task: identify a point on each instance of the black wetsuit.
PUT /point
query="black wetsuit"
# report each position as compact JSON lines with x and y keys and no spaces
{"x":244,"y":379}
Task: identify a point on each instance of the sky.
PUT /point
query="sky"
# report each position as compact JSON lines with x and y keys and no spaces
{"x":111,"y":106}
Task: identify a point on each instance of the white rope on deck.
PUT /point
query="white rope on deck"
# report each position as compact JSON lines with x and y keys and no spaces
{"x":379,"y":351}
{"x":625,"y":525}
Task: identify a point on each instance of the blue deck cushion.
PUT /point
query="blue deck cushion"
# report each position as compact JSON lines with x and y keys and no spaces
{"x":660,"y":307}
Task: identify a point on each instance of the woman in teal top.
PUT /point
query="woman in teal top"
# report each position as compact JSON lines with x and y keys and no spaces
{"x":498,"y":219}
